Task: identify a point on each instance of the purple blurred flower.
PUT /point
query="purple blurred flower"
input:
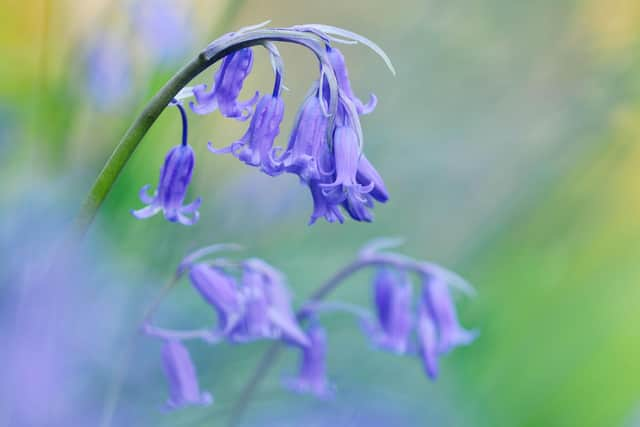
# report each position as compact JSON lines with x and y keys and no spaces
{"x":164,"y":28}
{"x":258,"y":308}
{"x":427,"y":341}
{"x":226,"y":88}
{"x":175,"y":177}
{"x":392,"y":298}
{"x":220,"y":291}
{"x":109,"y":73}
{"x":267,"y":306}
{"x":442,"y":310}
{"x":181,"y":373}
{"x":312,"y":375}
{"x":256,"y":146}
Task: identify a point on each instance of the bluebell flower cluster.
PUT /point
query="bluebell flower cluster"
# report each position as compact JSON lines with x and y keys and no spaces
{"x":325,"y":145}
{"x":252,"y":302}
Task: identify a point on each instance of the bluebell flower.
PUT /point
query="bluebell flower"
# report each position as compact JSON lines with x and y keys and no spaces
{"x":109,"y":73}
{"x":392,"y":299}
{"x":164,"y":28}
{"x":307,"y":139}
{"x":181,"y":373}
{"x":307,"y":155}
{"x":323,"y":208}
{"x":256,"y":146}
{"x":325,"y":145}
{"x":344,"y":84}
{"x":267,"y":306}
{"x":346,"y":189}
{"x":366,"y":175}
{"x":220,"y":290}
{"x":427,"y":341}
{"x":312,"y":372}
{"x":442,"y":310}
{"x":175,"y":177}
{"x":226,"y":88}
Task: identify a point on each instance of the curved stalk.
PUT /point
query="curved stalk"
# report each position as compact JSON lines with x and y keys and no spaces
{"x":132,"y":137}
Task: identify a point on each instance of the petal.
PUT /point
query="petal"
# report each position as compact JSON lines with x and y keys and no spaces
{"x":187,"y":220}
{"x":368,"y":107}
{"x":192,"y":207}
{"x":205,"y":102}
{"x":289,"y":327}
{"x":144,"y":195}
{"x":226,"y":150}
{"x":146,"y":212}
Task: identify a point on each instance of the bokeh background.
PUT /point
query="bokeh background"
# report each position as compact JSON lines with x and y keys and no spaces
{"x":508,"y":142}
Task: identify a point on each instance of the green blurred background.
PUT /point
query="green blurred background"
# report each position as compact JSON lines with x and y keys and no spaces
{"x":508,"y":142}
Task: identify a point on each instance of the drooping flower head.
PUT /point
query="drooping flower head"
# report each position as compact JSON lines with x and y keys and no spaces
{"x":442,"y":310}
{"x":427,"y":341}
{"x":392,"y":299}
{"x":307,"y":140}
{"x":345,"y":189}
{"x":344,"y":84}
{"x":267,"y":306}
{"x":219,"y":290}
{"x":325,"y":144}
{"x":255,"y":147}
{"x":257,"y":306}
{"x":175,"y":177}
{"x":224,"y":92}
{"x":181,"y":374}
{"x":312,"y":372}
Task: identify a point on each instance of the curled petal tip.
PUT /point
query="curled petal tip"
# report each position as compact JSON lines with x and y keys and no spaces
{"x":145,"y":212}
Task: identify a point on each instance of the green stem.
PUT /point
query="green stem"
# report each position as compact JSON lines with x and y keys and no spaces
{"x":129,"y":142}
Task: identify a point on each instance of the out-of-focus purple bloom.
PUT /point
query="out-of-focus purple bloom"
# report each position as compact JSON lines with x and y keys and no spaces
{"x":427,"y":341}
{"x":312,"y":373}
{"x":267,"y":306}
{"x":278,"y":298}
{"x":346,"y":189}
{"x":256,"y":146}
{"x":220,"y":290}
{"x":441,"y":308}
{"x":175,"y":177}
{"x":392,"y":298}
{"x":164,"y":28}
{"x":181,"y":373}
{"x":226,"y":88}
{"x":109,"y":73}
{"x":344,"y":84}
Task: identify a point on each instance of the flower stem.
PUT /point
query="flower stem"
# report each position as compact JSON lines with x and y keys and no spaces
{"x":129,"y":142}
